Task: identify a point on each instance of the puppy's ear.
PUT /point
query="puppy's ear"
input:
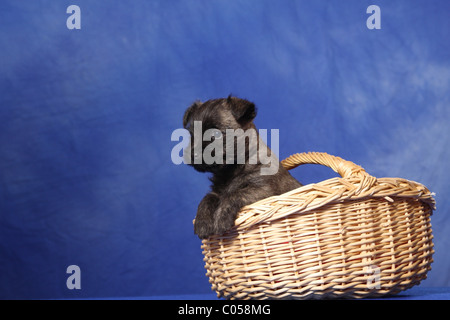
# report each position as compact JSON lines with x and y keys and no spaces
{"x":188,"y":112}
{"x":243,"y":111}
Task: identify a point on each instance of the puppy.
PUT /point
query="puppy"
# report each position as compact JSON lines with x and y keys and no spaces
{"x":224,"y":142}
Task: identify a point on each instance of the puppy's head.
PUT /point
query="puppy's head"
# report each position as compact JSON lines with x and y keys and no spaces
{"x":208,"y":123}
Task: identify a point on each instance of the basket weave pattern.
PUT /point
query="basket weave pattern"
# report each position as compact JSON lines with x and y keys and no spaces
{"x":349,"y":237}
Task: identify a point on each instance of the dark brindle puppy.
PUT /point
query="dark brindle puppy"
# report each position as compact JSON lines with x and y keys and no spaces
{"x":241,"y":176}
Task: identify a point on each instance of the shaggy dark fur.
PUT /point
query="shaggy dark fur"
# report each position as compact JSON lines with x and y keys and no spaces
{"x":234,"y":185}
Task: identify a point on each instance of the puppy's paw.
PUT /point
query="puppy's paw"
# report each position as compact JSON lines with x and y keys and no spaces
{"x":224,"y":219}
{"x":203,"y":228}
{"x":204,"y":221}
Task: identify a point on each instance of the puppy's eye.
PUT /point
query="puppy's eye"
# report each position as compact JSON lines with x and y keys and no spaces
{"x":216,"y":134}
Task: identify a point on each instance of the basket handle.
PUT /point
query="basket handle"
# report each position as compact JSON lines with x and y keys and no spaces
{"x":344,"y":168}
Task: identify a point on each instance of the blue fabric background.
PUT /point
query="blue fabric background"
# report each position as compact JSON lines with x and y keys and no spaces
{"x":86,"y":118}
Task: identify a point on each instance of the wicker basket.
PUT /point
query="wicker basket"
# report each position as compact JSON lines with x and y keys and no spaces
{"x":350,"y":237}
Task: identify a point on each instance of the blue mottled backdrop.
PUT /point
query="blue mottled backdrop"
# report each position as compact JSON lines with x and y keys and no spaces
{"x":86,"y":117}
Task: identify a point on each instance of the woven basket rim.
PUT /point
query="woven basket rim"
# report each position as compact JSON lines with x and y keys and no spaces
{"x":354,"y":184}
